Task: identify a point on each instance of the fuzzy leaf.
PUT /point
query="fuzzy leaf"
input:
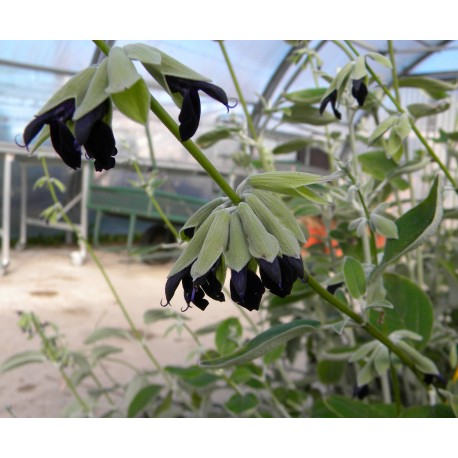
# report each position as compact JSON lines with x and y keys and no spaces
{"x":95,"y":94}
{"x":380,"y":59}
{"x":291,"y":146}
{"x":306,"y":96}
{"x":214,"y":245}
{"x":142,"y":399}
{"x":238,"y":253}
{"x":155,"y":315}
{"x":122,"y":74}
{"x":201,"y":215}
{"x":107,"y":333}
{"x":437,"y":89}
{"x":384,"y":226}
{"x":143,"y":53}
{"x":214,"y":136}
{"x":22,"y":358}
{"x":263,"y":343}
{"x":412,"y":309}
{"x":287,"y":182}
{"x":192,"y":250}
{"x":304,"y":114}
{"x":240,"y":403}
{"x":385,"y":125}
{"x":288,"y":242}
{"x":359,"y":70}
{"x":355,"y":278}
{"x":282,"y":212}
{"x":261,"y":243}
{"x":420,"y":110}
{"x":415,"y":226}
{"x":134,"y":102}
{"x":75,"y":88}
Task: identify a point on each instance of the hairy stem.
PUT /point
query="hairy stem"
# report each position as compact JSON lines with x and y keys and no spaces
{"x":419,"y":135}
{"x":190,"y":146}
{"x":368,"y":327}
{"x":242,"y":100}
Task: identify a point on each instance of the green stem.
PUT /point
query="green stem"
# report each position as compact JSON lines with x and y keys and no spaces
{"x":155,"y":203}
{"x":396,"y":390}
{"x":195,"y":152}
{"x":419,"y":135}
{"x":51,"y":353}
{"x":394,"y":72}
{"x":239,"y":91}
{"x":368,"y":327}
{"x":136,"y":333}
{"x":191,"y":147}
{"x":150,"y":146}
{"x":367,"y":215}
{"x":100,"y":386}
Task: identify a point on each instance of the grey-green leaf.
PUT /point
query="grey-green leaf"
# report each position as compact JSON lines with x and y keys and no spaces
{"x":420,"y":110}
{"x":385,"y":125}
{"x":305,"y":114}
{"x":134,"y":102}
{"x":437,"y":89}
{"x":412,"y":309}
{"x":143,"y":53}
{"x":263,"y":343}
{"x":415,"y":226}
{"x":355,"y":278}
{"x":22,"y":358}
{"x":142,"y":399}
{"x":240,"y":403}
{"x":306,"y":96}
{"x":122,"y":74}
{"x":107,"y":333}
{"x":214,"y":136}
{"x":382,"y":60}
{"x":384,"y":226}
{"x":95,"y":94}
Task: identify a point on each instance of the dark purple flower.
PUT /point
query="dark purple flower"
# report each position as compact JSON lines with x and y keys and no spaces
{"x":246,"y":288}
{"x":332,"y":99}
{"x":359,"y":91}
{"x":195,"y":290}
{"x":97,"y":137}
{"x":90,"y":131}
{"x":62,"y":138}
{"x":190,"y":109}
{"x":279,"y":275}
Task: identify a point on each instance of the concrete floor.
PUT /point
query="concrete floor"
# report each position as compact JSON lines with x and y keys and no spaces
{"x":77,"y":300}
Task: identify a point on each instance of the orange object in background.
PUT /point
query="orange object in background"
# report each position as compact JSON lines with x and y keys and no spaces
{"x":318,"y":235}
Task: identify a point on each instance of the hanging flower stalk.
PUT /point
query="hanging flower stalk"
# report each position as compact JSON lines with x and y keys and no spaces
{"x":259,"y":241}
{"x":78,"y":117}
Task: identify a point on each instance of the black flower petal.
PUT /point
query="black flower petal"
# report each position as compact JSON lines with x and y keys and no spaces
{"x":100,"y":146}
{"x":83,"y":126}
{"x":279,"y":275}
{"x":190,"y":110}
{"x":359,"y":91}
{"x":246,"y":289}
{"x":62,"y":112}
{"x":65,"y":144}
{"x":189,"y":115}
{"x":210,"y":284}
{"x":172,"y":284}
{"x":332,"y":99}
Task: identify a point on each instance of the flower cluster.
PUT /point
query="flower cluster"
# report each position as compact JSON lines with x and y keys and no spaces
{"x":90,"y":131}
{"x":258,"y":240}
{"x":79,"y":114}
{"x":358,"y":91}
